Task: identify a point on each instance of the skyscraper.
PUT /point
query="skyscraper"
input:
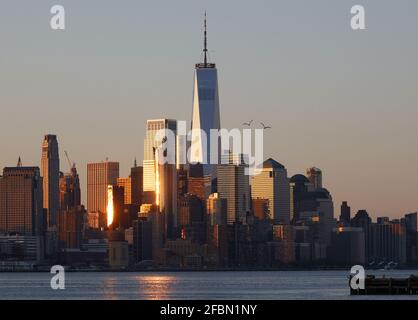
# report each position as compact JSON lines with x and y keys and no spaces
{"x":234,"y":186}
{"x":72,"y":213}
{"x":126,"y":184}
{"x":50,"y":167}
{"x":160,"y":179}
{"x":137,"y":176}
{"x":345,"y":216}
{"x":150,"y":146}
{"x":142,"y":240}
{"x":99,"y":177}
{"x":315,"y":177}
{"x":70,"y":192}
{"x":206,"y":114}
{"x":21,"y":201}
{"x":272,"y":183}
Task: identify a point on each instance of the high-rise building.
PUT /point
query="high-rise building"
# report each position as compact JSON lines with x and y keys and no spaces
{"x":306,"y":198}
{"x":167,"y":197}
{"x":234,"y":186}
{"x":217,"y":210}
{"x":50,"y":167}
{"x":120,"y":217}
{"x":71,"y":225}
{"x":137,"y":177}
{"x":151,"y":144}
{"x":197,"y":183}
{"x":191,"y":210}
{"x":363,"y":220}
{"x":191,"y":218}
{"x":142,"y":240}
{"x":315,"y":177}
{"x":99,"y":176}
{"x":411,"y":221}
{"x":272,"y":183}
{"x":345,"y":215}
{"x":347,"y":246}
{"x":70,"y":192}
{"x":389,"y":241}
{"x":126,"y":184}
{"x":72,"y":214}
{"x":411,"y":238}
{"x":260,"y":208}
{"x":21,"y":201}
{"x":206,"y":114}
{"x":160,"y":179}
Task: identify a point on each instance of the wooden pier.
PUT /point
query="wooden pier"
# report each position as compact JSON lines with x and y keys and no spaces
{"x":388,"y":286}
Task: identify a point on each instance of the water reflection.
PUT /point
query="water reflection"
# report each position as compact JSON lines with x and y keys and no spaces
{"x":108,"y":287}
{"x":155,"y":287}
{"x":186,"y":285}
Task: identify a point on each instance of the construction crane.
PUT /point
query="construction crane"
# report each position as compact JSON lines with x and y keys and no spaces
{"x":71,"y":164}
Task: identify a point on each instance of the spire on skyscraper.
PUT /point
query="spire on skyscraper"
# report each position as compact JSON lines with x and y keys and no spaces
{"x":205,"y":64}
{"x":19,"y":162}
{"x":205,"y":46}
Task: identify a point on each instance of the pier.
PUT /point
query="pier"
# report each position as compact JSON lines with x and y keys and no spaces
{"x":388,"y":286}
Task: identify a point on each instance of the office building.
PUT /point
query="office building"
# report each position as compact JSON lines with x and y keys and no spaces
{"x":315,"y":177}
{"x":347,"y":247}
{"x":233,"y":185}
{"x":50,"y":170}
{"x":137,"y":176}
{"x":99,"y":176}
{"x":70,"y":191}
{"x":205,"y":114}
{"x":126,"y":184}
{"x":151,"y":144}
{"x":272,"y":183}
{"x":71,"y":227}
{"x":142,"y":240}
{"x":345,"y":216}
{"x":389,"y":241}
{"x":363,"y":220}
{"x":21,"y":201}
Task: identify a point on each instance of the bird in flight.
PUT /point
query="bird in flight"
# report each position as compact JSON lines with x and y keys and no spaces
{"x":248,"y":123}
{"x":264,"y":126}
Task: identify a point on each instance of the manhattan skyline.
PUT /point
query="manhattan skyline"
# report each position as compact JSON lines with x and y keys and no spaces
{"x":333,"y":100}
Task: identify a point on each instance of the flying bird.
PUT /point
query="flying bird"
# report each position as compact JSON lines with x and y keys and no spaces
{"x":248,"y":123}
{"x":264,"y":126}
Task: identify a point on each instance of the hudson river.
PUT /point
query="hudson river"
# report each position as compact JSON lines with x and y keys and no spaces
{"x":252,"y":285}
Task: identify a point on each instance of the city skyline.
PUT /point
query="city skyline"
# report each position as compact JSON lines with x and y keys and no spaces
{"x":376,"y":174}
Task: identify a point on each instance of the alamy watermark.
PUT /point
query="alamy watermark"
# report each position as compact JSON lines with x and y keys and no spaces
{"x":219,"y":146}
{"x":358,"y":278}
{"x":58,"y":280}
{"x":357,"y":21}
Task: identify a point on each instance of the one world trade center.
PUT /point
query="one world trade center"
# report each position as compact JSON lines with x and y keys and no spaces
{"x":206,"y":115}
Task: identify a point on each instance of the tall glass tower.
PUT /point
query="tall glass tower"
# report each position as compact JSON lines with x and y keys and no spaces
{"x":50,"y":166}
{"x":205,"y":113}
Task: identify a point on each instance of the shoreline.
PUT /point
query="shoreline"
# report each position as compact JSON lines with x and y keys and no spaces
{"x":171,"y":270}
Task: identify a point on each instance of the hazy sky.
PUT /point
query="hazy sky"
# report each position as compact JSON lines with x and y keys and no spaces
{"x":342,"y":100}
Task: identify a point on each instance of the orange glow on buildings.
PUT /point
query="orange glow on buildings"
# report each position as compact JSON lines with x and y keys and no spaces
{"x":109,"y":205}
{"x":157,"y":180}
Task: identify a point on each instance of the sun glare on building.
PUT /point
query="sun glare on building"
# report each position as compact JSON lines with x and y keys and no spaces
{"x":109,"y":205}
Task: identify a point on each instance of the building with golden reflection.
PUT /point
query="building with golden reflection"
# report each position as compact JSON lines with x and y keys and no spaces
{"x":50,"y":173}
{"x":99,"y":176}
{"x":126,"y":184}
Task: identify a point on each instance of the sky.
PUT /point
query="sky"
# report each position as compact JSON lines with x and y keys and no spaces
{"x":342,"y":100}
